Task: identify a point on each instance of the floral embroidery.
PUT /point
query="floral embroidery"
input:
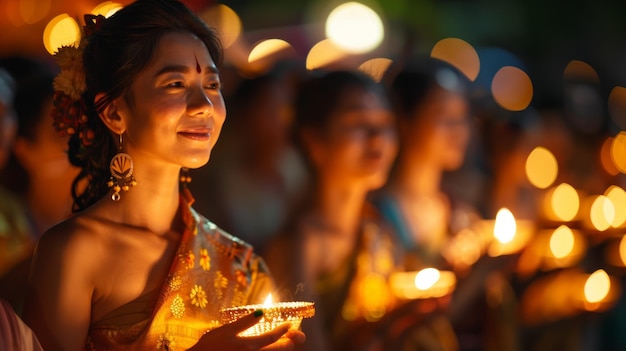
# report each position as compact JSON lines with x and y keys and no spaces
{"x":177,"y":307}
{"x":205,"y":260}
{"x":220,"y":283}
{"x":175,"y":282}
{"x":188,"y":259}
{"x":198,"y":296}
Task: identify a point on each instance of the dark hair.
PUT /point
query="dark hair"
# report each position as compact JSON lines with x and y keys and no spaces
{"x":116,"y":53}
{"x":321,"y":96}
{"x":411,"y":85}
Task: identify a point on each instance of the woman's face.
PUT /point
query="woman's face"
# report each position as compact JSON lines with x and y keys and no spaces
{"x":439,"y":129}
{"x":175,"y":111}
{"x":360,"y":142}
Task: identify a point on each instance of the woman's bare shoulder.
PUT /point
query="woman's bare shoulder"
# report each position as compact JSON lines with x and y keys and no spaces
{"x":78,"y":237}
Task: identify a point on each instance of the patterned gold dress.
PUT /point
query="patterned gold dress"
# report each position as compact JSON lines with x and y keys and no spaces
{"x":212,"y":270}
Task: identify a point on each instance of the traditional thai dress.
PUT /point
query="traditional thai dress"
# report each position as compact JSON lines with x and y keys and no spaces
{"x":212,"y":270}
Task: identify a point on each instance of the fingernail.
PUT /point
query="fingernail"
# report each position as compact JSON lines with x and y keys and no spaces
{"x":258,"y":313}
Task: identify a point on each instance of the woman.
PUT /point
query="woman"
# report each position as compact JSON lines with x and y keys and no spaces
{"x":433,"y":109}
{"x":335,"y":247}
{"x":137,"y":267}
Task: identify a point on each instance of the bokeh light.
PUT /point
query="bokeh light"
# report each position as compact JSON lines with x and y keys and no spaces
{"x":458,"y":53}
{"x":62,"y":30}
{"x":562,"y":241}
{"x":622,"y":249}
{"x":617,"y":196}
{"x":597,"y":286}
{"x":355,"y":27}
{"x":618,"y":151}
{"x":579,"y":70}
{"x":323,"y":53}
{"x":541,"y":167}
{"x":606,"y":158}
{"x":107,"y":8}
{"x":226,"y":22}
{"x":426,"y":278}
{"x":505,"y":227}
{"x":564,"y":202}
{"x":268,"y":48}
{"x":33,"y":11}
{"x":602,"y":212}
{"x":512,"y":89}
{"x":375,"y":67}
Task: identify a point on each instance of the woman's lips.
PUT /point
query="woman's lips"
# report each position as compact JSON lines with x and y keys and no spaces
{"x":196,"y":134}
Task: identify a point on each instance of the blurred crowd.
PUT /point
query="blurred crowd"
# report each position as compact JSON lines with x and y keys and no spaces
{"x":340,"y":181}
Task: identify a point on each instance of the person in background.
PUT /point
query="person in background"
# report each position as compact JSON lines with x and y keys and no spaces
{"x":136,"y":267}
{"x":334,"y":249}
{"x":434,"y":227}
{"x":15,"y":240}
{"x":38,"y":170}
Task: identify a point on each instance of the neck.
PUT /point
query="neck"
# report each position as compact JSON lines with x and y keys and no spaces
{"x":417,"y":176}
{"x":338,"y":206}
{"x":152,"y":203}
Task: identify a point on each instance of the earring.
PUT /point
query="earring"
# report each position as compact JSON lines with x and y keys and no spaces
{"x":121,"y":168}
{"x":184,"y":176}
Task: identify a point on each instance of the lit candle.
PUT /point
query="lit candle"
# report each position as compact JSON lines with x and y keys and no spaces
{"x":510,"y":235}
{"x":274,"y":314}
{"x":427,"y":283}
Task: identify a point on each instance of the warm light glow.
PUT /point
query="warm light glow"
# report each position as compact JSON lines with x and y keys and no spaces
{"x":512,"y":88}
{"x":606,"y":157}
{"x":61,"y":31}
{"x":322,"y":54}
{"x":505,"y":226}
{"x":459,"y":54}
{"x":618,"y":151}
{"x":33,"y":11}
{"x":577,"y":70}
{"x":622,"y":249}
{"x":617,"y":196}
{"x":562,"y":241}
{"x":597,"y":286}
{"x":267,"y":48}
{"x":268,"y":301}
{"x":565,"y":202}
{"x":541,"y":167}
{"x":226,"y":22}
{"x":375,"y":67}
{"x":354,"y":27}
{"x":106,"y":9}
{"x":426,"y":278}
{"x":602,"y":213}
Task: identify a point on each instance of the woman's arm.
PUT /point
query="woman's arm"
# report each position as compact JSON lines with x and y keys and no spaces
{"x":58,"y":302}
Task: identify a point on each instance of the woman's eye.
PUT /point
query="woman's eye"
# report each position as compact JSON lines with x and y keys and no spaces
{"x":214,"y":86}
{"x":177,"y":84}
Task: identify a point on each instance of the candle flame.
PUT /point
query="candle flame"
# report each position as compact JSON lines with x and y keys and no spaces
{"x":505,"y":227}
{"x":268,"y":300}
{"x":426,"y":278}
{"x":597,"y":286}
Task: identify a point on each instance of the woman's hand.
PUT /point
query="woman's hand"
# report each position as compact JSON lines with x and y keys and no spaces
{"x":226,"y":337}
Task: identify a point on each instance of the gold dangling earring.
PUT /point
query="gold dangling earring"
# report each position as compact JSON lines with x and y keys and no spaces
{"x":184,"y":177}
{"x":121,"y":168}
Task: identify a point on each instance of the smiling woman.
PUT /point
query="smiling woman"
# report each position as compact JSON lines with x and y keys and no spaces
{"x":140,"y":99}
